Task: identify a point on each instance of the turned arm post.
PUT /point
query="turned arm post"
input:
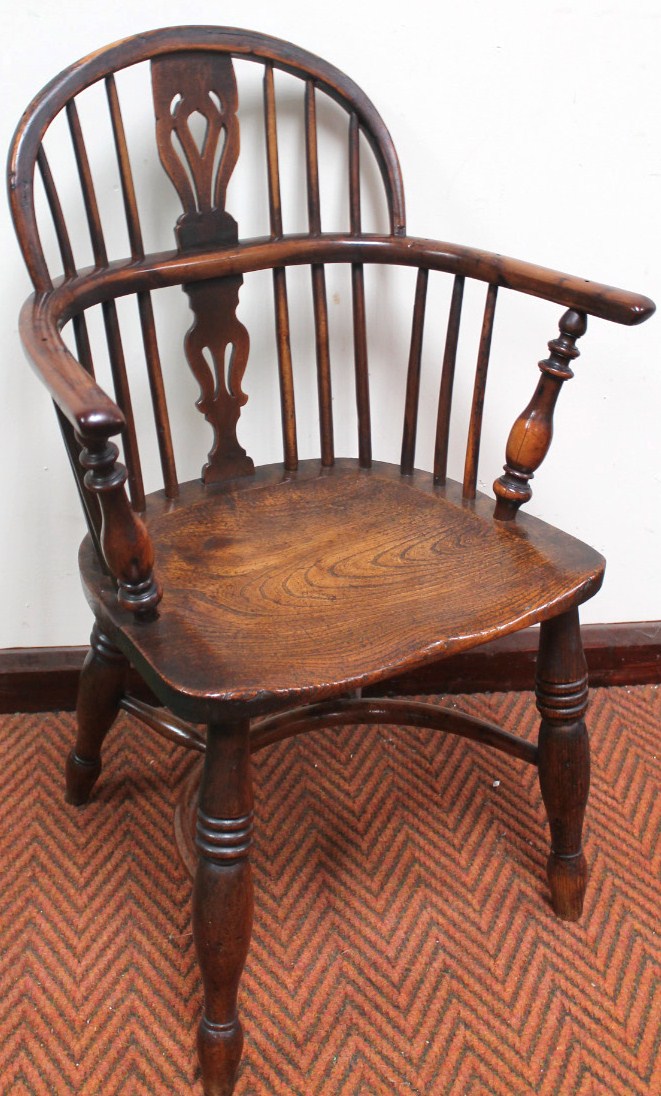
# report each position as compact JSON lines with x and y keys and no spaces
{"x":125,"y":542}
{"x":531,"y":435}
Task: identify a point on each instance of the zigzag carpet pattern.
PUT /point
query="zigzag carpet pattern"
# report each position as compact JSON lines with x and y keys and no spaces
{"x":403,"y":939}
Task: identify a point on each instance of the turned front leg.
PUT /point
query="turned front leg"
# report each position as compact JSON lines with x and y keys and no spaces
{"x":223,"y":899}
{"x":564,"y":757}
{"x":100,"y":690}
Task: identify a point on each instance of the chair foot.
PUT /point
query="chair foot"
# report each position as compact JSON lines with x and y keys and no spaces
{"x":219,"y":1047}
{"x":568,"y":876}
{"x":80,"y":776}
{"x":101,"y":687}
{"x":564,"y":757}
{"x":223,"y":900}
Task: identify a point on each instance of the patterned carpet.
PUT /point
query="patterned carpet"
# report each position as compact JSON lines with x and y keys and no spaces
{"x":403,"y":940}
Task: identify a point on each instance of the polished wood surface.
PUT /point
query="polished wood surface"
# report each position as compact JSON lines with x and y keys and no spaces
{"x":102,"y":686}
{"x":45,"y":679}
{"x":364,"y":558}
{"x":564,"y":757}
{"x":531,"y":435}
{"x":257,"y":601}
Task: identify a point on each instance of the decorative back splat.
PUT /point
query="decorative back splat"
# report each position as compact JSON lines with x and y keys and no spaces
{"x":191,"y":88}
{"x":197,"y":130}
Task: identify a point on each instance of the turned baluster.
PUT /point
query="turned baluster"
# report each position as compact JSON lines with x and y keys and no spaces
{"x":125,"y":542}
{"x":531,"y":435}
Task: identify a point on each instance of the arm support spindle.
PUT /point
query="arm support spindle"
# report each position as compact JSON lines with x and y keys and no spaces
{"x":126,"y":544}
{"x":530,"y":437}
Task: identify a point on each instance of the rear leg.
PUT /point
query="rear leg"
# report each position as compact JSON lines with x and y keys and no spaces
{"x":100,"y":690}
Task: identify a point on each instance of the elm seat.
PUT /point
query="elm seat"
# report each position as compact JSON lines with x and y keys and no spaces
{"x":328,"y":576}
{"x":258,"y":601}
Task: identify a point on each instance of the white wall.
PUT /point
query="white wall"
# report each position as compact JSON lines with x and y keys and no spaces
{"x":528,"y":129}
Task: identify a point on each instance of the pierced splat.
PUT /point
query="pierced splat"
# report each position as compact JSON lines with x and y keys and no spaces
{"x":218,"y":336}
{"x":197,"y":130}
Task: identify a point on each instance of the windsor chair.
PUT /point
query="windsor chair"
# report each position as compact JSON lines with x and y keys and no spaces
{"x":258,"y":601}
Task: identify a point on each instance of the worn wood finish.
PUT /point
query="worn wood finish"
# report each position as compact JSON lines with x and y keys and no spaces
{"x":86,"y":406}
{"x":145,"y":309}
{"x":564,"y":757}
{"x":303,"y":581}
{"x":164,"y":723}
{"x":125,"y":172}
{"x":616,"y":654}
{"x":266,"y":731}
{"x":127,"y":549}
{"x":358,"y":303}
{"x":479,"y":390}
{"x":102,"y":683}
{"x":122,"y":277}
{"x":109,"y":309}
{"x":531,"y":435}
{"x":45,"y":679}
{"x":157,"y":389}
{"x":90,"y":504}
{"x":223,"y":899}
{"x":447,"y":383}
{"x":380,"y":581}
{"x":59,"y":223}
{"x":173,"y":40}
{"x":187,"y":86}
{"x":361,"y":365}
{"x":413,"y":374}
{"x":400,"y":713}
{"x":318,"y":281}
{"x":285,"y":370}
{"x":273,"y":166}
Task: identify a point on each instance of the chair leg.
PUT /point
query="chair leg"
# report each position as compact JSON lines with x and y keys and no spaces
{"x":101,"y":687}
{"x":222,"y":899}
{"x":564,"y":757}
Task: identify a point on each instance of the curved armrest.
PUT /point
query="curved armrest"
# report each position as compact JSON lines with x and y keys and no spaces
{"x":91,"y":412}
{"x":95,"y":417}
{"x":173,"y":268}
{"x":124,"y":540}
{"x":594,"y":298}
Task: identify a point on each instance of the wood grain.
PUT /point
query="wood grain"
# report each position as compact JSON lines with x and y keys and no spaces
{"x":45,"y":679}
{"x":294,"y":583}
{"x":359,"y":555}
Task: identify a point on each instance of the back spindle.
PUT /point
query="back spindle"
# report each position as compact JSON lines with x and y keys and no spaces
{"x":354,"y":175}
{"x":158,"y":399}
{"x":318,"y":282}
{"x":447,"y":383}
{"x":477,"y":408}
{"x":109,"y":310}
{"x":125,"y":173}
{"x":413,"y":374}
{"x":283,"y":341}
{"x":270,"y":124}
{"x":59,"y":224}
{"x":358,"y":303}
{"x":532,"y":433}
{"x":145,"y":307}
{"x":83,"y":349}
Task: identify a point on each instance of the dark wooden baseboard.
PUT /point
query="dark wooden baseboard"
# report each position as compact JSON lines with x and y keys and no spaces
{"x":44,"y":679}
{"x":617,"y":654}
